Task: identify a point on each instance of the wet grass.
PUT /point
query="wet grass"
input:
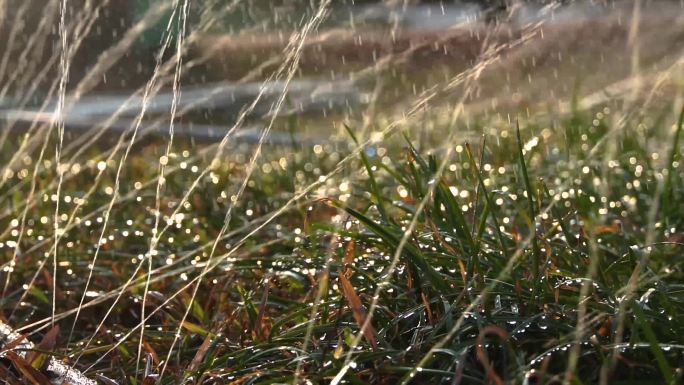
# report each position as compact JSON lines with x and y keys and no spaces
{"x":537,"y":255}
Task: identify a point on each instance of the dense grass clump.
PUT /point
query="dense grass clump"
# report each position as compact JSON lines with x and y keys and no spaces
{"x":476,"y":271}
{"x":537,"y":255}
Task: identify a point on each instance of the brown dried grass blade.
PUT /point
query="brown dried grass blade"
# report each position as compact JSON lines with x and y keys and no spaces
{"x":356,"y":307}
{"x":13,"y":344}
{"x":149,"y":349}
{"x":201,"y":352}
{"x":259,"y":324}
{"x":30,"y":374}
{"x":428,"y":309}
{"x":38,"y":358}
{"x":349,"y":258}
{"x":482,"y":355}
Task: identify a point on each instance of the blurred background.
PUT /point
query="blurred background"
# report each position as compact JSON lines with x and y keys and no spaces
{"x":516,"y":55}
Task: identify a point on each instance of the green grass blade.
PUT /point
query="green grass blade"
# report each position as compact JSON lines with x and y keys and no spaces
{"x":674,"y":152}
{"x":663,"y":365}
{"x":371,"y":178}
{"x":532,"y":212}
{"x":488,"y":202}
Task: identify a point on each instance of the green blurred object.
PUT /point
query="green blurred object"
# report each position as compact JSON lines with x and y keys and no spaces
{"x":153,"y":37}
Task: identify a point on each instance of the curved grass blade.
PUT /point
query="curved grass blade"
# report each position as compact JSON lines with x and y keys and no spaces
{"x":356,"y":307}
{"x":371,"y":178}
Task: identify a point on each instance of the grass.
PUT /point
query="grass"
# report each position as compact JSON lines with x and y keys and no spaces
{"x":527,"y":259}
